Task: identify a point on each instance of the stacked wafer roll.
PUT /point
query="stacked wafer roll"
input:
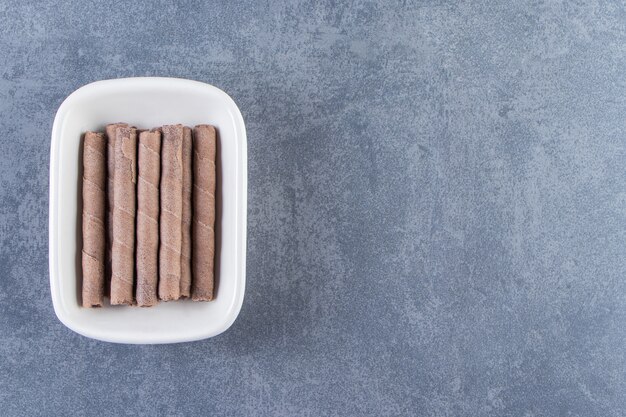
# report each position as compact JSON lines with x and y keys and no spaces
{"x":149,"y":155}
{"x":124,"y":195}
{"x":204,"y":212}
{"x":171,"y":213}
{"x":148,"y":215}
{"x":94,"y":218}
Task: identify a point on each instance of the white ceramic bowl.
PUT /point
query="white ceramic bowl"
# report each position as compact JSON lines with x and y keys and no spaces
{"x":146,"y":103}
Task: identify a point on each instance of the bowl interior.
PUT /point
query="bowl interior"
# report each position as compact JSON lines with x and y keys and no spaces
{"x":147,"y":103}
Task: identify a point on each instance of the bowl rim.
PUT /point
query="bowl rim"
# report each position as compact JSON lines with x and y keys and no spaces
{"x":53,"y":233}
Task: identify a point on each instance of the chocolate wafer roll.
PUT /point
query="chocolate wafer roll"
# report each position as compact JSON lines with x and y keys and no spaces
{"x":148,"y":173}
{"x":203,"y":235}
{"x":110,"y":134}
{"x":94,"y":209}
{"x":185,"y":257}
{"x":125,"y":181}
{"x":171,"y":212}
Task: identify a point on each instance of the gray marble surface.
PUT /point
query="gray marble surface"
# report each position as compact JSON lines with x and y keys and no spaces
{"x":437,"y":208}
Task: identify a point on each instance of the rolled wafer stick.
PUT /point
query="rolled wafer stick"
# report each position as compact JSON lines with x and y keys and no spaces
{"x":203,"y":235}
{"x":110,"y":134}
{"x":185,"y":258}
{"x":148,"y":173}
{"x":123,"y":251}
{"x":94,"y":209}
{"x":171,"y":212}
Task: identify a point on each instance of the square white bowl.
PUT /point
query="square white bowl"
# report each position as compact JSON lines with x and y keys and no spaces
{"x":146,"y":103}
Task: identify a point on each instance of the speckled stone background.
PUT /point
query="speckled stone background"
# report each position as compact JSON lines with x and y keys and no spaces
{"x":437,"y":208}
